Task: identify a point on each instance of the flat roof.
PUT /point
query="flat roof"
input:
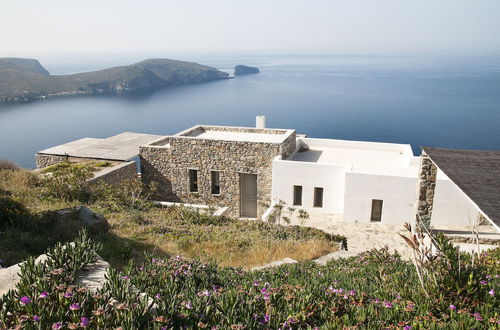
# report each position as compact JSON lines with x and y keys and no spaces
{"x":363,"y":157}
{"x":241,"y":136}
{"x":233,"y":133}
{"x":476,"y":173}
{"x":123,"y":146}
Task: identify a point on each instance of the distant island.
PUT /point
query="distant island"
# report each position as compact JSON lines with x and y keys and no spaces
{"x":24,"y":80}
{"x":240,"y":70}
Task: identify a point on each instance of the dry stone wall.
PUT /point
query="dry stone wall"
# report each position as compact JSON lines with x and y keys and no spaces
{"x":117,"y":173}
{"x":169,"y":166}
{"x":426,"y":188}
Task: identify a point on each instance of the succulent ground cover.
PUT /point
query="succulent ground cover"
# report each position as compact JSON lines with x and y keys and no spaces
{"x":374,"y":290}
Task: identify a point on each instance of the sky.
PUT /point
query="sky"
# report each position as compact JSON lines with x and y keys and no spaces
{"x":342,"y":27}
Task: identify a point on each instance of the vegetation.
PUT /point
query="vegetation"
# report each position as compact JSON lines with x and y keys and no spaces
{"x":374,"y":290}
{"x":28,"y":227}
{"x":24,"y":80}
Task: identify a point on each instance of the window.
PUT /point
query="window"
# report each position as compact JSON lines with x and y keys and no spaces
{"x":376,"y":210}
{"x":215,"y":182}
{"x":193,"y":180}
{"x":297,"y":195}
{"x":318,"y":197}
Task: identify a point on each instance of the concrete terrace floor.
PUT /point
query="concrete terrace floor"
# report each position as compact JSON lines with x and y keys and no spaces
{"x":362,"y":237}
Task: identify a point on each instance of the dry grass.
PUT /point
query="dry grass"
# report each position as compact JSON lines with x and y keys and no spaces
{"x":171,"y":232}
{"x":230,"y":243}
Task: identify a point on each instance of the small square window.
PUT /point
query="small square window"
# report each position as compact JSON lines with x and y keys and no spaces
{"x":193,"y":180}
{"x":215,"y":182}
{"x":318,"y":197}
{"x":297,"y":195}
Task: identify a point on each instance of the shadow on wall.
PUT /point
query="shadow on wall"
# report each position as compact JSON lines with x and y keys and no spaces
{"x":149,"y":174}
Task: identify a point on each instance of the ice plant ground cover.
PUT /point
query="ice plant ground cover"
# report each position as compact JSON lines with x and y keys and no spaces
{"x":374,"y":290}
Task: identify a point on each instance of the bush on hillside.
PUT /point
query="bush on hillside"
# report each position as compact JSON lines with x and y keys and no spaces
{"x":8,"y":165}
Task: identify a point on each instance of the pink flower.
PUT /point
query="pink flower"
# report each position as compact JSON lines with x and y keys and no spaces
{"x":25,"y":300}
{"x":492,"y":292}
{"x":157,"y":296}
{"x":453,"y":307}
{"x":57,"y":325}
{"x":84,"y":322}
{"x":477,"y":316}
{"x":36,"y":318}
{"x":387,"y":304}
{"x":44,"y":294}
{"x":74,"y":307}
{"x":68,"y":294}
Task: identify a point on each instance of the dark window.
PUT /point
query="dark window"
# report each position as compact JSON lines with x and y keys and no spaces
{"x":193,"y":180}
{"x":318,"y":197}
{"x":376,"y":210}
{"x":297,"y":195}
{"x":215,"y":183}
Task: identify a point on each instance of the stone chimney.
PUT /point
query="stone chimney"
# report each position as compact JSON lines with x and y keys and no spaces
{"x":260,"y":122}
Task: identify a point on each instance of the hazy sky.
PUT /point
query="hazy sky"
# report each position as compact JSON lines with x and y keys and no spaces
{"x":252,"y":26}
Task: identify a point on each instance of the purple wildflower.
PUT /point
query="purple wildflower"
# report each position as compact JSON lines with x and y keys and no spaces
{"x":157,"y":296}
{"x":125,"y":277}
{"x":352,"y":292}
{"x":84,"y":322}
{"x":477,"y":316}
{"x":74,"y":307}
{"x":189,"y":305}
{"x":483,"y":282}
{"x":25,"y":300}
{"x":453,"y":307}
{"x":57,"y":325}
{"x":44,"y":294}
{"x":387,"y":304}
{"x":265,"y":319}
{"x":68,"y":294}
{"x":407,"y":327}
{"x":491,"y":292}
{"x":256,"y":283}
{"x":36,"y":318}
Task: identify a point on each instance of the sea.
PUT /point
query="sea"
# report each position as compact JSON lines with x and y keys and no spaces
{"x":440,"y":101}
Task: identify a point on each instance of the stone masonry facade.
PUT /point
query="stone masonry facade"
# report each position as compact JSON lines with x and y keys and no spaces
{"x":168,"y":161}
{"x":425,"y":189}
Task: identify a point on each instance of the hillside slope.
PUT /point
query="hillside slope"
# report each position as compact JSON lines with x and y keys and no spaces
{"x":25,"y":80}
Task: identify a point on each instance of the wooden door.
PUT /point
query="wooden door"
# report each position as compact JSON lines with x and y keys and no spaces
{"x":248,"y":195}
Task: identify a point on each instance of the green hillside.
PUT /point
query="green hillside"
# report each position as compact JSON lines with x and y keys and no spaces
{"x":25,"y":80}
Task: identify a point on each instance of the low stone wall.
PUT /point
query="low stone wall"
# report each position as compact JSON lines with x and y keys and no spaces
{"x":46,"y":160}
{"x":117,"y":173}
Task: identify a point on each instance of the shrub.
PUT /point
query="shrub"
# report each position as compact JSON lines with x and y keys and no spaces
{"x":12,"y":212}
{"x":68,"y":182}
{"x":8,"y":165}
{"x":128,"y":194}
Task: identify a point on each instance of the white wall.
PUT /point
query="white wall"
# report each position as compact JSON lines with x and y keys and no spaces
{"x":398,"y":194}
{"x":286,"y":174}
{"x":451,"y":207}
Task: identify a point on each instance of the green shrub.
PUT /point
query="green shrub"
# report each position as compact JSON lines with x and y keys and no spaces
{"x":68,"y":182}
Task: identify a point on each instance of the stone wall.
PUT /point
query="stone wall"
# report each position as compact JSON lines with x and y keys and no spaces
{"x":168,"y":165}
{"x":425,"y":189}
{"x":117,"y":173}
{"x":45,"y":160}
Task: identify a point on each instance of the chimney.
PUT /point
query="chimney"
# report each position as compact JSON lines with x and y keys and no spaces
{"x":260,"y":122}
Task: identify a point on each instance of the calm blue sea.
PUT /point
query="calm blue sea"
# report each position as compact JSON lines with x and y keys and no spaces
{"x":435,"y":101}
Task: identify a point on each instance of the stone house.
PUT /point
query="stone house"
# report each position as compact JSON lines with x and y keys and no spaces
{"x":215,"y":165}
